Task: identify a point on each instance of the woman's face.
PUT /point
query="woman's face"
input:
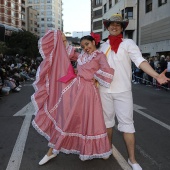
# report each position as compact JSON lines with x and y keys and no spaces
{"x":115,"y":28}
{"x":88,"y":46}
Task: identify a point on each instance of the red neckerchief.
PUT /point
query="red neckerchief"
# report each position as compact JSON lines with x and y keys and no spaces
{"x":115,"y":41}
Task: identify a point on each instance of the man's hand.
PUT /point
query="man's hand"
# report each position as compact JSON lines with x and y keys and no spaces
{"x":162,"y":79}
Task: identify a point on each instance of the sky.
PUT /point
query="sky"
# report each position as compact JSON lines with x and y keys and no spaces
{"x":76,"y":15}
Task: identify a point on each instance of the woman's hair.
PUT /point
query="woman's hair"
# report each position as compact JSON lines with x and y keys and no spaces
{"x":90,"y":38}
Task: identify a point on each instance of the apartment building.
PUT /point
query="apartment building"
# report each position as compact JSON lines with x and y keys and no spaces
{"x":10,"y":13}
{"x":154,"y":27}
{"x":31,"y":20}
{"x":49,"y":14}
{"x":96,"y":16}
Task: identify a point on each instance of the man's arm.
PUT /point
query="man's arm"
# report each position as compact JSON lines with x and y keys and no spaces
{"x":161,"y":78}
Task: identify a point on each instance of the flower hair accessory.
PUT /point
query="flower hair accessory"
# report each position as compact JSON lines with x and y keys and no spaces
{"x":96,"y":37}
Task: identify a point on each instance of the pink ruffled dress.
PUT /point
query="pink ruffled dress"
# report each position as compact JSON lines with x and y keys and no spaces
{"x":69,"y":115}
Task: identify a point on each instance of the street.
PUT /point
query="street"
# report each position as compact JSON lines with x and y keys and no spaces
{"x":21,"y":147}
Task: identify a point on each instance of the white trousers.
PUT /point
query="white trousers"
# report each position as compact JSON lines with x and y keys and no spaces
{"x":121,"y":106}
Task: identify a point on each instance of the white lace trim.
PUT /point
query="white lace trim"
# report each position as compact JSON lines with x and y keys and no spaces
{"x":105,"y":74}
{"x":64,"y":133}
{"x":64,"y":90}
{"x":40,"y":45}
{"x":102,"y":82}
{"x":85,"y":58}
{"x":34,"y":104}
{"x":68,"y":48}
{"x":43,"y":56}
{"x":82,"y":157}
{"x":38,"y":70}
{"x":40,"y":131}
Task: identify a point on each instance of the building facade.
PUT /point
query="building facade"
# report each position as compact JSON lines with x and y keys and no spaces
{"x":104,"y":9}
{"x":10,"y":13}
{"x":50,"y":14}
{"x":96,"y":16}
{"x":154,"y":27}
{"x":149,"y":22}
{"x":32,"y":20}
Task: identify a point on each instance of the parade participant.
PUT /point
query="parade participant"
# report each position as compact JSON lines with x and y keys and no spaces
{"x":68,"y":107}
{"x":117,"y":100}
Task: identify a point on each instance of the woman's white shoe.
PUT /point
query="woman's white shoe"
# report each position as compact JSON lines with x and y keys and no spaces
{"x":105,"y":158}
{"x":46,"y":158}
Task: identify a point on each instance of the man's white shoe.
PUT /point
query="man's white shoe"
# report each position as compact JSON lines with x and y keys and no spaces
{"x":46,"y":158}
{"x":134,"y":166}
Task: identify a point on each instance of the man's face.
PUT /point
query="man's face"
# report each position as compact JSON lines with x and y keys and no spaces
{"x":115,"y":28}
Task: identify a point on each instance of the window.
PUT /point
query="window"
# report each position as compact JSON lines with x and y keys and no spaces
{"x":36,"y":1}
{"x":128,"y":13}
{"x":98,"y":13}
{"x":110,"y":4}
{"x":97,"y":25}
{"x":49,"y":7}
{"x":36,"y":7}
{"x":6,"y":11}
{"x":12,"y":5}
{"x":148,"y":5}
{"x":49,"y":25}
{"x":129,"y":34}
{"x":13,"y":22}
{"x":49,"y":13}
{"x":161,"y":2}
{"x":12,"y":13}
{"x":116,"y":1}
{"x":30,"y":1}
{"x":98,"y":2}
{"x":49,"y":19}
{"x":105,"y":8}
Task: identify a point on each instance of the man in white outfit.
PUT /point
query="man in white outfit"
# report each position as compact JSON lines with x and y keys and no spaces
{"x":117,"y":100}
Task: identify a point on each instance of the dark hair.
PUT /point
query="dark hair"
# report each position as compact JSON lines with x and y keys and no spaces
{"x":90,"y":38}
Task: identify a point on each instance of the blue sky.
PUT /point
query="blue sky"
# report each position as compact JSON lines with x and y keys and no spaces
{"x":76,"y":15}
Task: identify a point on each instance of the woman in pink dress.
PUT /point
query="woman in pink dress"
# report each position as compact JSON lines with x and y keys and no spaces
{"x":68,"y":106}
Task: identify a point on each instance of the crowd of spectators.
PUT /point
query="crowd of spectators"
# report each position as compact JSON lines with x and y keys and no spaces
{"x":159,"y":64}
{"x":15,"y":71}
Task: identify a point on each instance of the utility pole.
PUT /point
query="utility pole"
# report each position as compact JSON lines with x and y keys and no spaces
{"x":124,"y":19}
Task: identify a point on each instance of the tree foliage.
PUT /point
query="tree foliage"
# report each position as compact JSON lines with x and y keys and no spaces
{"x":23,"y":43}
{"x":3,"y":47}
